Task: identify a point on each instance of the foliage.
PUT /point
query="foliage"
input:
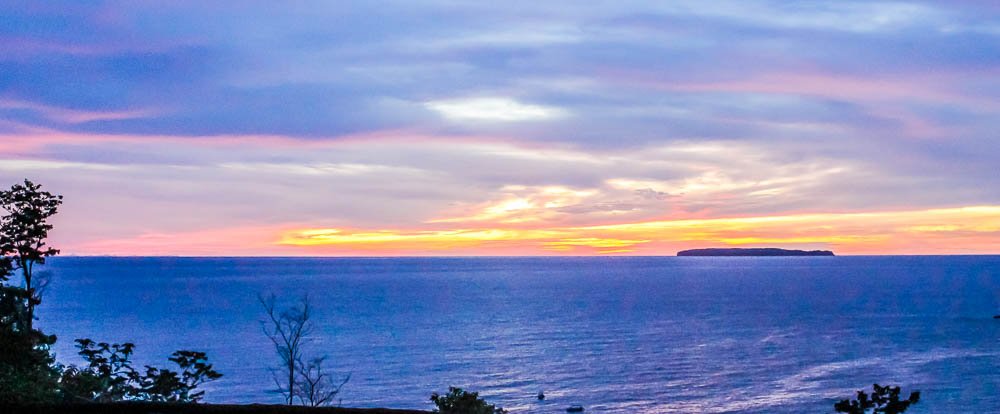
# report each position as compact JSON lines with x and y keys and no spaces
{"x":109,"y":376}
{"x":883,"y":399}
{"x":27,"y":374}
{"x":459,"y":401}
{"x":161,"y":385}
{"x":27,"y":370}
{"x":23,"y":231}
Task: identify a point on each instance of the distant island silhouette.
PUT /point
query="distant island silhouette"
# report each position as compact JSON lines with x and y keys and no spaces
{"x":769,"y":251}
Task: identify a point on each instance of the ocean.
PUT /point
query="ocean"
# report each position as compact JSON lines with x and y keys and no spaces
{"x":614,"y":334}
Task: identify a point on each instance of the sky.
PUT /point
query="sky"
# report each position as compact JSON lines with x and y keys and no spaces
{"x":300,"y":128}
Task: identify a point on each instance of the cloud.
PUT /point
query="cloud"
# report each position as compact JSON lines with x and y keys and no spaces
{"x":435,"y":116}
{"x":625,"y":74}
{"x":917,"y":231}
{"x":71,"y":116}
{"x":862,"y":17}
{"x":433,"y":187}
{"x":493,"y":109}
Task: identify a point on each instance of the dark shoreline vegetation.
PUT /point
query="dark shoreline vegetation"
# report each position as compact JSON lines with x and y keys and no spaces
{"x":31,"y":381}
{"x":132,"y":407}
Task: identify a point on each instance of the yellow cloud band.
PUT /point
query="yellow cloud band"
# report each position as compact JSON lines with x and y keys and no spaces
{"x":949,"y":230}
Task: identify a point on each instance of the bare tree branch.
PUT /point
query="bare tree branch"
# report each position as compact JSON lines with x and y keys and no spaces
{"x":315,"y":387}
{"x":287,"y":330}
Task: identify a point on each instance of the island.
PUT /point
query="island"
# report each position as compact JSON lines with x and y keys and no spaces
{"x":769,"y":251}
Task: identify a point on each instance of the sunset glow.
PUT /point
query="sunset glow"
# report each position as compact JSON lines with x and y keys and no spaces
{"x":964,"y":230}
{"x":445,"y":129}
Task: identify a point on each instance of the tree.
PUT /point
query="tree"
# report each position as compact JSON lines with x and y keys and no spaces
{"x":315,"y":388}
{"x":882,"y":400}
{"x":27,"y":370}
{"x":459,"y":401}
{"x":289,"y":330}
{"x":23,"y":231}
{"x":163,"y":385}
{"x":286,"y":330}
{"x":28,"y":373}
{"x":109,"y":376}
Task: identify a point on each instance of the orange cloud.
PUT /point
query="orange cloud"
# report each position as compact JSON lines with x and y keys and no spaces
{"x":936,"y":231}
{"x":599,"y":245}
{"x":964,"y":230}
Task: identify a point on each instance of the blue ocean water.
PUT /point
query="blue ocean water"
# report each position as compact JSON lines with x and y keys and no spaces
{"x":615,"y":334}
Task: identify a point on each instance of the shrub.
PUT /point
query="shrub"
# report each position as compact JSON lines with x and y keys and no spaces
{"x":27,"y":374}
{"x":109,"y":376}
{"x":459,"y":401}
{"x":882,"y":400}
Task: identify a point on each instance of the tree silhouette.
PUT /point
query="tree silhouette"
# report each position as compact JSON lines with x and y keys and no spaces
{"x":27,"y":371}
{"x":289,"y":330}
{"x":163,"y":385}
{"x":286,"y":330}
{"x":459,"y":401}
{"x":315,"y":387}
{"x":882,"y":400}
{"x":109,"y":376}
{"x":23,"y":231}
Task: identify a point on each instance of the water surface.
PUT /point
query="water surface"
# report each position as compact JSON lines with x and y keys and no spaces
{"x":615,"y":334}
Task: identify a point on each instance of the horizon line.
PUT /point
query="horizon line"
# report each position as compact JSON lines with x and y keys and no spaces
{"x":480,"y":256}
